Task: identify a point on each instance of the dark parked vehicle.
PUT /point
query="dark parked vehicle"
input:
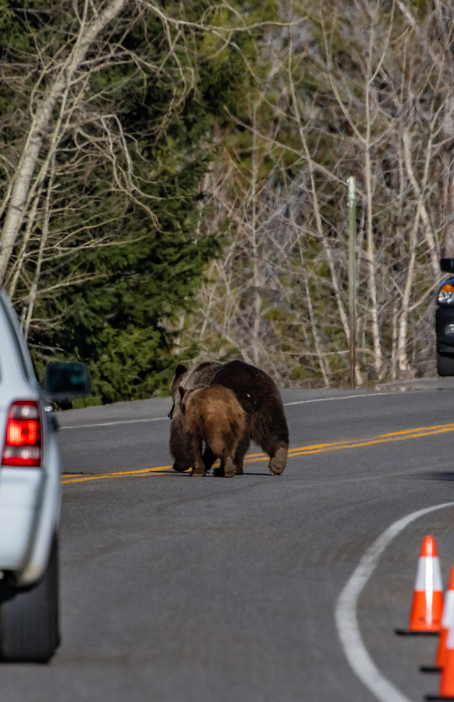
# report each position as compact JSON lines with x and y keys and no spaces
{"x":444,"y":320}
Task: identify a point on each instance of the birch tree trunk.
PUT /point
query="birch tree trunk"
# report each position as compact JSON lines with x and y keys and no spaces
{"x":15,"y":211}
{"x":402,"y":356}
{"x":257,"y":304}
{"x":314,"y":323}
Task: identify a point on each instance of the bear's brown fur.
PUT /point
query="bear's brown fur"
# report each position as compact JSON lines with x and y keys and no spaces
{"x":260,"y":399}
{"x":198,"y":377}
{"x":212,"y":415}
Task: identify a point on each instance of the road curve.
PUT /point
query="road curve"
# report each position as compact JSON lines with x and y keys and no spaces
{"x":178,"y":589}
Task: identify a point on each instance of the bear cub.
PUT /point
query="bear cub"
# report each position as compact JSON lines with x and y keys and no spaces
{"x":212,"y":415}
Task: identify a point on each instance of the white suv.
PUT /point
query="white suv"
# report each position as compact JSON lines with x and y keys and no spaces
{"x":29,"y":502}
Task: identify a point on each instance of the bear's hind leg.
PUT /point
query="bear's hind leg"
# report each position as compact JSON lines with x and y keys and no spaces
{"x":240,"y":453}
{"x":271,"y":433}
{"x":228,"y":467}
{"x":198,"y":468}
{"x":279,"y":459}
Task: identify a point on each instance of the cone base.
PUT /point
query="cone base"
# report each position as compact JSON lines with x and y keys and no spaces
{"x":426,"y":611}
{"x":407,"y":632}
{"x":437,"y":698}
{"x":430,"y":669}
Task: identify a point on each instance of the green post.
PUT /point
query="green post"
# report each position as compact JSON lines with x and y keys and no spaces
{"x":352,"y":276}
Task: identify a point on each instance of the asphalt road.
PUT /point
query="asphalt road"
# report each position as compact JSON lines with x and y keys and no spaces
{"x":198,"y":590}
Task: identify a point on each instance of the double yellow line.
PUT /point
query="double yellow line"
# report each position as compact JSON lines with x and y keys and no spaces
{"x":415,"y":433}
{"x":69,"y":478}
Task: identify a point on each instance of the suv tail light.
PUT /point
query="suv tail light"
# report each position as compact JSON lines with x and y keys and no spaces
{"x":446,"y":294}
{"x":23,"y":435}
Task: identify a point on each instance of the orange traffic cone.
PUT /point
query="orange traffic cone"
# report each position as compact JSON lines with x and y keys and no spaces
{"x":427,"y":606}
{"x":447,"y":621}
{"x":446,"y":691}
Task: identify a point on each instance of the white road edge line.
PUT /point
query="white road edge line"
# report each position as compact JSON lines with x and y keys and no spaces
{"x":286,"y":404}
{"x":344,"y":397}
{"x":346,"y":616}
{"x":109,"y":424}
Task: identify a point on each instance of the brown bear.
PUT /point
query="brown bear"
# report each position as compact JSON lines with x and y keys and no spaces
{"x":260,"y":399}
{"x":198,"y":377}
{"x":212,"y":415}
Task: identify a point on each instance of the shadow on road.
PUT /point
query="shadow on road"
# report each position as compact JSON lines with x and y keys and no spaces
{"x":438,"y":476}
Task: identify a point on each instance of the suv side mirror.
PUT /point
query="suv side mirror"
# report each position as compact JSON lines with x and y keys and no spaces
{"x":447,"y":265}
{"x":66,"y":381}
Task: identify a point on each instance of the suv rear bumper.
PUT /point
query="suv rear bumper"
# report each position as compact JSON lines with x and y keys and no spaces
{"x":20,"y":497}
{"x":29,"y":516}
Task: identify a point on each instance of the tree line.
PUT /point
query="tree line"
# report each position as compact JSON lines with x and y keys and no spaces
{"x":173,"y":184}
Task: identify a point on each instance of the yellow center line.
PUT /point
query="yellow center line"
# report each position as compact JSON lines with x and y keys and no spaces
{"x":414,"y":433}
{"x":68,"y":479}
{"x":380,"y":438}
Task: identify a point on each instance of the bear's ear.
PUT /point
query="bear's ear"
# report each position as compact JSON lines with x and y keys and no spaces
{"x":180,"y":369}
{"x":181,"y":391}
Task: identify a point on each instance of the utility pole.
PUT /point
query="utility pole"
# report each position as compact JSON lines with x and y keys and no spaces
{"x":352,"y":276}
